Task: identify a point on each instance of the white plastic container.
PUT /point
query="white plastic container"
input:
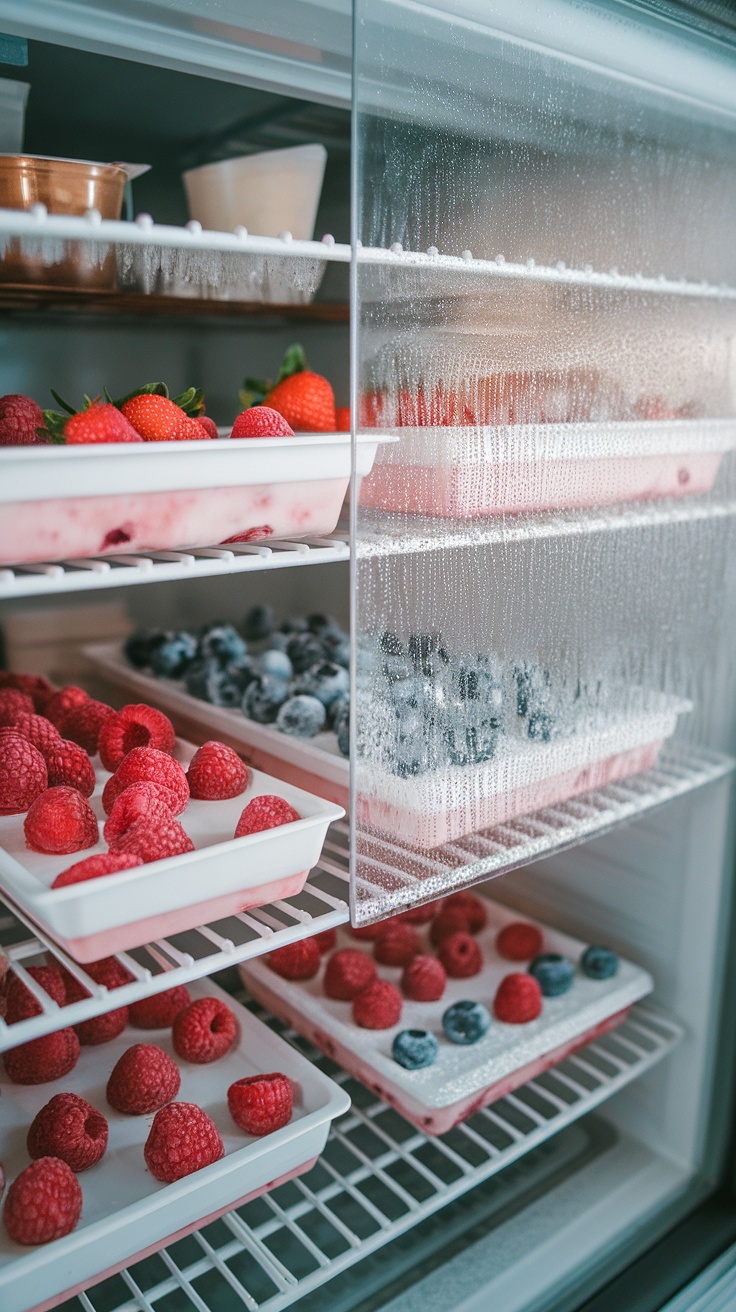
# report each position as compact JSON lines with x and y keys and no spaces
{"x":126,"y":1213}
{"x":463,"y":1079}
{"x":13,"y":100}
{"x":222,"y":876}
{"x":268,"y":193}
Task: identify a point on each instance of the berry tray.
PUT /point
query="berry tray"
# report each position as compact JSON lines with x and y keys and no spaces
{"x":222,"y":876}
{"x":465,"y":472}
{"x":463,"y":1079}
{"x":126,"y":1213}
{"x":59,"y":501}
{"x":312,"y":763}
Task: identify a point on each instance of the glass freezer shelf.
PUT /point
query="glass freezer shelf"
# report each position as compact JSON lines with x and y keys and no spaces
{"x":390,"y":876}
{"x":377,"y":1178}
{"x":183,"y":957}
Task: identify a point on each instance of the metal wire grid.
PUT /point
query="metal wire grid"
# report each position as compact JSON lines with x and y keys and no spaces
{"x":390,"y":877}
{"x":183,"y":957}
{"x":378,"y":1177}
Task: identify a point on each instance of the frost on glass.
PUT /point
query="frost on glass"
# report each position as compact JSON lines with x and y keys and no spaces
{"x":546,"y":342}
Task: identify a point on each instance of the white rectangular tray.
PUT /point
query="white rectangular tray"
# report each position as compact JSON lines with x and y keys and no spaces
{"x":463,"y":1079}
{"x":126,"y":1213}
{"x":223,"y":874}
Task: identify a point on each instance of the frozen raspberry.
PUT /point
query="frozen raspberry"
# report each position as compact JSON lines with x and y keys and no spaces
{"x":23,"y":774}
{"x":461,"y":956}
{"x":474,"y":908}
{"x":518,"y":999}
{"x":216,"y":772}
{"x":20,"y":416}
{"x":451,"y":920}
{"x":208,"y":426}
{"x":261,"y":421}
{"x":265,"y":812}
{"x":326,"y":941}
{"x":70,"y":1128}
{"x":34,"y":684}
{"x":347,"y":973}
{"x":108,"y":971}
{"x":260,"y":1104}
{"x":424,"y":979}
{"x":20,"y":1003}
{"x":98,"y":1029}
{"x":154,"y":842}
{"x":378,"y":1007}
{"x":160,"y":1011}
{"x":397,"y":946}
{"x":83,"y":723}
{"x":93,"y":867}
{"x":44,"y":1202}
{"x":420,"y":915}
{"x":38,"y":730}
{"x":149,"y":765}
{"x":137,"y":725}
{"x":204,"y":1031}
{"x":62,"y":702}
{"x":367,"y":933}
{"x":44,"y":1059}
{"x":182,"y":1139}
{"x":60,"y":821}
{"x":137,"y":802}
{"x":13,"y":703}
{"x":519,"y":941}
{"x":69,"y":766}
{"x":142,"y":1080}
{"x":297,"y":960}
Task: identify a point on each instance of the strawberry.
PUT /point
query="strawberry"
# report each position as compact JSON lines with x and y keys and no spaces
{"x":342,"y":419}
{"x":19,"y":419}
{"x":99,"y":421}
{"x":305,"y":399}
{"x":208,"y":426}
{"x":158,"y":418}
{"x":261,"y":421}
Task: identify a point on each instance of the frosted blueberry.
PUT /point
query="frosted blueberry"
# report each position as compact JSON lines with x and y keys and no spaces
{"x":415,"y":1049}
{"x":599,"y":963}
{"x":140,"y":646}
{"x":466,"y":1022}
{"x":554,"y":974}
{"x":223,"y":642}
{"x":170,"y":659}
{"x":263,"y":697}
{"x":275,"y":663}
{"x":258,"y":623}
{"x":303,"y":650}
{"x":324,"y":680}
{"x":301,"y":717}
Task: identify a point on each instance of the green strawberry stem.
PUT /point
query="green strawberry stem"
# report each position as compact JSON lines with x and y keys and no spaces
{"x":255,"y":390}
{"x":60,"y":401}
{"x":191,"y":401}
{"x":53,"y":430}
{"x":148,"y":389}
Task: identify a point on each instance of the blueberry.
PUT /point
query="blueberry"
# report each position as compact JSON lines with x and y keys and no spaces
{"x":242,"y":672}
{"x":337,"y":708}
{"x":140,"y":646}
{"x":276,"y":663}
{"x":424,"y":648}
{"x":303,"y":650}
{"x":204,"y":680}
{"x":263,"y":697}
{"x":297,"y":624}
{"x":554,"y":974}
{"x":301,"y":717}
{"x":540,"y":726}
{"x":337,"y":648}
{"x":325,"y":681}
{"x":466,"y":1022}
{"x":223,"y":642}
{"x":342,"y":729}
{"x":322,"y":625}
{"x":415,"y":1049}
{"x":172,"y":658}
{"x":397,"y":667}
{"x":258,"y":623}
{"x":406,"y":692}
{"x":532,"y":688}
{"x":599,"y":963}
{"x":278,"y":642}
{"x":390,"y":645}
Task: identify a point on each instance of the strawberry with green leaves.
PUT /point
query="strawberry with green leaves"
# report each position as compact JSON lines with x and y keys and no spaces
{"x":146,"y":415}
{"x":305,"y":399}
{"x":98,"y":421}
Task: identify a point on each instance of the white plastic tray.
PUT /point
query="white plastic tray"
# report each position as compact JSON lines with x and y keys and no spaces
{"x":223,"y":874}
{"x":463,"y":1079}
{"x":127,"y":1213}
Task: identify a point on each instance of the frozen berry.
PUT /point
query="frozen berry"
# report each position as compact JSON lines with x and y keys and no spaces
{"x":378,"y":1007}
{"x":44,"y":1202}
{"x":182,"y":1139}
{"x":302,"y":716}
{"x":216,"y":772}
{"x":265,"y":812}
{"x":326,"y":940}
{"x":93,"y":867}
{"x":554,"y":974}
{"x":62,"y":702}
{"x":136,"y":725}
{"x":599,"y":963}
{"x":20,"y":417}
{"x":450,"y":920}
{"x":415,"y":1049}
{"x":258,"y":623}
{"x":263,"y":697}
{"x":424,"y":979}
{"x":35,"y":685}
{"x":347,"y":973}
{"x":108,"y":971}
{"x":98,"y":1029}
{"x":367,"y":932}
{"x":204,"y":1031}
{"x":154,"y":841}
{"x":261,"y":1104}
{"x":23,"y":774}
{"x":300,"y":960}
{"x":461,"y":956}
{"x":142,"y":1080}
{"x":221,"y":642}
{"x":518,"y":999}
{"x":44,"y":1059}
{"x":420,"y":915}
{"x":474,"y":908}
{"x":397,"y":946}
{"x":38,"y":730}
{"x":161,"y":1010}
{"x":69,"y":766}
{"x":83,"y":723}
{"x":13,"y":703}
{"x":466,"y":1022}
{"x":70,"y":1128}
{"x":60,"y":821}
{"x":325,"y":680}
{"x":519,"y":941}
{"x":261,"y":421}
{"x":20,"y":1003}
{"x":141,"y":801}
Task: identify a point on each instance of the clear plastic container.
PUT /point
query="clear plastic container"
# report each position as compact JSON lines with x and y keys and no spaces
{"x":268,"y":193}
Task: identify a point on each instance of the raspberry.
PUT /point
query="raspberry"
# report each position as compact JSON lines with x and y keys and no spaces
{"x":34,"y":684}
{"x":204,"y":1031}
{"x":474,"y":908}
{"x":378,"y":1007}
{"x":397,"y":946}
{"x":70,"y":1128}
{"x":260,"y":1104}
{"x":99,"y":1029}
{"x":93,"y":867}
{"x":44,"y":1202}
{"x":461,"y":956}
{"x":347,"y":973}
{"x":326,"y":940}
{"x":367,"y":932}
{"x":182,"y":1139}
{"x":137,"y":802}
{"x":424,"y":980}
{"x":519,"y":941}
{"x":60,"y":821}
{"x":518,"y":999}
{"x":142,"y":1080}
{"x":108,"y":971}
{"x":38,"y":730}
{"x":297,"y":960}
{"x":137,"y":725}
{"x":62,"y":702}
{"x":261,"y":421}
{"x":69,"y":766}
{"x":23,"y":774}
{"x":265,"y":812}
{"x":160,"y":1011}
{"x":420,"y":915}
{"x":20,"y":416}
{"x":44,"y":1059}
{"x":149,"y":765}
{"x":83,"y":723}
{"x":154,"y":842}
{"x":451,"y":920}
{"x":20,"y":1003}
{"x":216,"y":772}
{"x":13,"y":703}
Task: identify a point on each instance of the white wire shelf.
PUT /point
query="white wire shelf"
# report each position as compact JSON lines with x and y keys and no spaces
{"x":183,"y":957}
{"x":377,"y":1178}
{"x":95,"y":572}
{"x":391,"y":876}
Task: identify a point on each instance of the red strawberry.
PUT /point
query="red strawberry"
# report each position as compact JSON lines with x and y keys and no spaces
{"x":44,"y":1202}
{"x":347,"y":973}
{"x":204,"y":1031}
{"x":342,"y":419}
{"x":519,"y":941}
{"x":93,"y":867}
{"x":461,"y":956}
{"x":261,"y":421}
{"x":70,"y":1128}
{"x":305,"y":399}
{"x":154,"y":418}
{"x":424,"y":979}
{"x":149,"y":765}
{"x":137,"y":802}
{"x":137,"y":725}
{"x":62,"y":702}
{"x":23,"y":774}
{"x":44,"y":1059}
{"x":142,"y":1080}
{"x":20,"y":1003}
{"x":60,"y":821}
{"x":19,"y":419}
{"x":38,"y":730}
{"x":216,"y":772}
{"x":161,"y":1010}
{"x":13,"y":703}
{"x":299,"y":960}
{"x":100,"y":422}
{"x":518,"y":999}
{"x":83,"y":724}
{"x":182,"y":1139}
{"x":68,"y":764}
{"x":208,"y":426}
{"x":261,"y":1104}
{"x":265,"y":812}
{"x":154,"y":841}
{"x":378,"y":1007}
